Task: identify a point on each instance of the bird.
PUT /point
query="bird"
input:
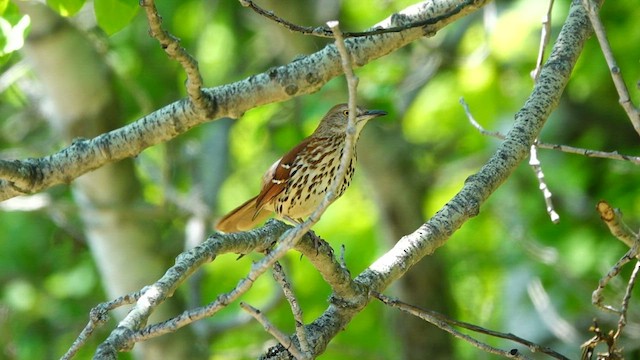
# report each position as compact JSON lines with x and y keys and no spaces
{"x":296,"y":184}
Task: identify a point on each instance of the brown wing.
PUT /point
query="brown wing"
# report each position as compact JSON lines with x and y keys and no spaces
{"x":276,"y":178}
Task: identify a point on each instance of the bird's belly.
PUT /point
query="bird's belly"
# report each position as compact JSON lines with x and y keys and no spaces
{"x":307,"y":188}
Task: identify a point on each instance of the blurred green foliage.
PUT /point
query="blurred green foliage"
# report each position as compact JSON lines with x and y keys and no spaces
{"x":49,"y":282}
{"x":113,"y":15}
{"x":66,"y":7}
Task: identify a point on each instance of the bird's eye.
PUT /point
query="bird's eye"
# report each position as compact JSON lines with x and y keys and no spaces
{"x":346,"y":112}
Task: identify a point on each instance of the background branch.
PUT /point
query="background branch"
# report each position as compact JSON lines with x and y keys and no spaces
{"x":616,"y":73}
{"x":543,"y":145}
{"x":447,"y":324}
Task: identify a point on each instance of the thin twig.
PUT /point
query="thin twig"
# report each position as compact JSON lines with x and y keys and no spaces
{"x":281,"y":279}
{"x":536,"y":166}
{"x":130,"y":331}
{"x":622,"y":322}
{"x":323,"y":32}
{"x":596,"y":296}
{"x":284,"y":244}
{"x":477,"y":125}
{"x":545,"y":35}
{"x":98,"y":316}
{"x":542,"y":145}
{"x":274,"y":331}
{"x":349,"y":148}
{"x":352,"y":85}
{"x":171,"y":46}
{"x":614,"y":155}
{"x":600,"y":337}
{"x":211,"y":330}
{"x":534,"y":162}
{"x":613,"y":219}
{"x":446,"y":324}
{"x":616,"y":72}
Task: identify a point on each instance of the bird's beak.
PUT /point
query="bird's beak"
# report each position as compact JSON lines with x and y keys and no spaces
{"x":375,"y":113}
{"x":370,"y":114}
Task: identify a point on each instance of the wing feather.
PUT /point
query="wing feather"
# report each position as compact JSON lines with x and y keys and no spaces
{"x":276,"y":178}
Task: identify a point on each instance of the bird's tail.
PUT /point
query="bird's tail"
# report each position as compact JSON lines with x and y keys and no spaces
{"x":244,"y":217}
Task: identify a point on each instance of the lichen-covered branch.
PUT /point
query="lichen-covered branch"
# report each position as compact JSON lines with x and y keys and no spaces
{"x":132,"y":328}
{"x":529,"y":121}
{"x":302,"y":76}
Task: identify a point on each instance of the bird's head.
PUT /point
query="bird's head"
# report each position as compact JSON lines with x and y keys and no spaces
{"x":336,"y":120}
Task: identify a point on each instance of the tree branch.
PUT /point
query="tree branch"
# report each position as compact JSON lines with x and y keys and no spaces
{"x":282,"y":338}
{"x":447,"y":324}
{"x":98,"y":317}
{"x":171,"y":45}
{"x":616,"y":74}
{"x":545,"y":35}
{"x":329,"y":33}
{"x":612,"y":217}
{"x":542,"y":145}
{"x":296,"y":310}
{"x":514,"y":149}
{"x":131,"y":329}
{"x":534,"y":162}
{"x":302,"y":76}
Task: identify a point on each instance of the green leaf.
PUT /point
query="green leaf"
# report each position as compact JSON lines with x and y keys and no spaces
{"x":66,"y":7}
{"x":113,"y":15}
{"x":3,"y":6}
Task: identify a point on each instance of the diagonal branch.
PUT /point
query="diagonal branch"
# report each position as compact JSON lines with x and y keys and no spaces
{"x":514,"y":149}
{"x":612,"y":217}
{"x":616,"y":73}
{"x":98,"y":317}
{"x":303,"y":76}
{"x":296,"y":310}
{"x":132,"y":328}
{"x":447,"y":324}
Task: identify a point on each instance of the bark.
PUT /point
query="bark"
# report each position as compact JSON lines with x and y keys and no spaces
{"x":302,"y":76}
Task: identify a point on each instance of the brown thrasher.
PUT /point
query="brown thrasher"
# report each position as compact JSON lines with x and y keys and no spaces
{"x":294,"y":185}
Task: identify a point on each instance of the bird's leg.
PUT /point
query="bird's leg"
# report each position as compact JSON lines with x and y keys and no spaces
{"x":317,"y":240}
{"x":292,"y":220}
